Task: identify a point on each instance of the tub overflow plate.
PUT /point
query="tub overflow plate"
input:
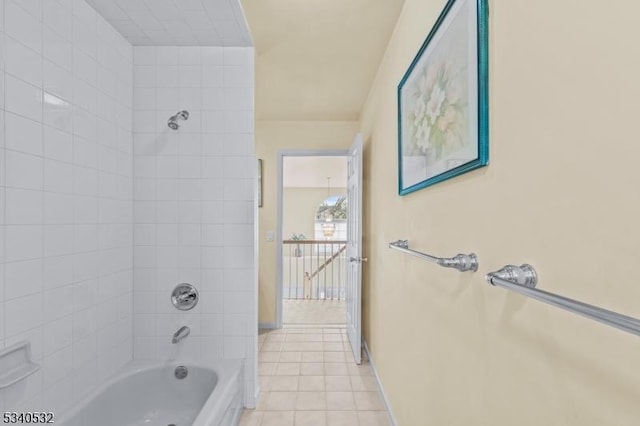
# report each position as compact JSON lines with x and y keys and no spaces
{"x":181,"y":372}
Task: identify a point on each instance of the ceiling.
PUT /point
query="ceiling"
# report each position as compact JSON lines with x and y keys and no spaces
{"x":316,"y":59}
{"x":177,"y":22}
{"x":312,"y":172}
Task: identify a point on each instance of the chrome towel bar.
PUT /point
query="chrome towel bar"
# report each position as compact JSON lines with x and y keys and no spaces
{"x":523,"y":279}
{"x":461,"y":262}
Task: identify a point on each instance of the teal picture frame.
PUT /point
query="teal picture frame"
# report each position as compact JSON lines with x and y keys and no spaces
{"x":443,"y":102}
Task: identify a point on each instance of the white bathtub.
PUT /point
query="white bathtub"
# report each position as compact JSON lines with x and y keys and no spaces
{"x":148,"y":393}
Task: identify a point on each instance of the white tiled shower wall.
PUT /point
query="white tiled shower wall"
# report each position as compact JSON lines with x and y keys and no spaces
{"x":65,"y":198}
{"x":194,"y":203}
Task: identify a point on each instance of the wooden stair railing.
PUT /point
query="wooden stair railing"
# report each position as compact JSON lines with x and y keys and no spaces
{"x":306,"y":292}
{"x":328,"y":261}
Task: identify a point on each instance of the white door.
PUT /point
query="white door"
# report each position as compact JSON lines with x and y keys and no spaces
{"x":354,"y":248}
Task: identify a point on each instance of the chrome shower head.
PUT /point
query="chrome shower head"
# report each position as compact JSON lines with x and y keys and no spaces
{"x":173,"y":120}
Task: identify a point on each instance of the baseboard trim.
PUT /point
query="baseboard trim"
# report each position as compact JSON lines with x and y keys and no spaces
{"x":384,"y":395}
{"x":267,"y":325}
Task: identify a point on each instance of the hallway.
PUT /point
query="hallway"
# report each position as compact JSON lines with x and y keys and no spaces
{"x":308,"y":378}
{"x":313,"y":312}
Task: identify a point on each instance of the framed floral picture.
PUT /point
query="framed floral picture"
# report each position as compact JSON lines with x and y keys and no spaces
{"x":442,"y":100}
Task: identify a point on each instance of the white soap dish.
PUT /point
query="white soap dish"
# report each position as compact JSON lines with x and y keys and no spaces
{"x":16,"y":364}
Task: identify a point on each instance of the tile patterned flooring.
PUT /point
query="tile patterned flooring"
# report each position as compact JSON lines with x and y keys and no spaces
{"x":308,"y":378}
{"x":313,"y":312}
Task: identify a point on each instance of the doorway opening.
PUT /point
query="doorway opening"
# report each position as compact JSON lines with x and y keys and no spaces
{"x":324,"y":221}
{"x":314,"y":212}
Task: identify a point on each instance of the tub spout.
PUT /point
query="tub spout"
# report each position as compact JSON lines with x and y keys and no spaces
{"x":180,"y":334}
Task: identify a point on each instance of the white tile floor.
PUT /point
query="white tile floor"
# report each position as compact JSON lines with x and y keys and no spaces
{"x":313,"y":312}
{"x":308,"y":378}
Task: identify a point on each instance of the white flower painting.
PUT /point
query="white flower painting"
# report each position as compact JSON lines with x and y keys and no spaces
{"x":438,"y":101}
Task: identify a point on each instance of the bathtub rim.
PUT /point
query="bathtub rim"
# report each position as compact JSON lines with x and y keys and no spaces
{"x":226,"y":371}
{"x":215,"y":408}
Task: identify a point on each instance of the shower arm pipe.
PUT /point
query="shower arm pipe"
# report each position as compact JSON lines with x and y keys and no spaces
{"x":461,"y":262}
{"x":523,"y":280}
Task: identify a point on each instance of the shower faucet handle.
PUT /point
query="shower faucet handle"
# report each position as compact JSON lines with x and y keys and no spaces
{"x":184,"y":297}
{"x":187,"y":296}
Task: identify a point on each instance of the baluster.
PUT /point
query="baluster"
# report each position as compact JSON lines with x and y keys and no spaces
{"x":289,"y":280}
{"x":333,"y":277}
{"x":339,"y":273}
{"x":324,"y":272}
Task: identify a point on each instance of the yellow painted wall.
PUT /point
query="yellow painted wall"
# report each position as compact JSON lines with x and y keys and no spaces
{"x":299,"y":209}
{"x":561,"y":193}
{"x":272,"y":136}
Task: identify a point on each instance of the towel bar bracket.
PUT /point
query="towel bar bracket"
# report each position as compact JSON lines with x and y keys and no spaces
{"x":524,"y":275}
{"x":461,"y":262}
{"x":401,"y":243}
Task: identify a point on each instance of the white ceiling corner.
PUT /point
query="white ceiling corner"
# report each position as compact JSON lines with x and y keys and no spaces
{"x":177,"y":22}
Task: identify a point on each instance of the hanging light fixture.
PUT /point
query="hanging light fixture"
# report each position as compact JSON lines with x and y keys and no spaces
{"x":328,"y":227}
